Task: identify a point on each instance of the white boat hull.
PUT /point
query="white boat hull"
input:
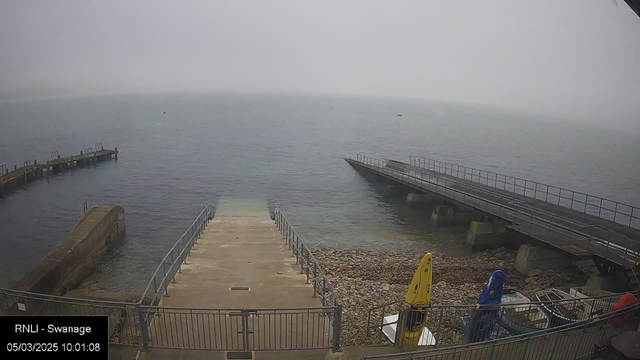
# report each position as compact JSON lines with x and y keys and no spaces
{"x":389,"y":330}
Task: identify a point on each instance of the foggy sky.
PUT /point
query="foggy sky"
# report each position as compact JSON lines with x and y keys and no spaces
{"x":568,"y":57}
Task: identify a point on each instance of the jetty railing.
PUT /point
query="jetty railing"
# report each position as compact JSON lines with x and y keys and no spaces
{"x":612,"y":210}
{"x":172,"y":262}
{"x":450,"y":325}
{"x":542,"y":226}
{"x":567,"y":342}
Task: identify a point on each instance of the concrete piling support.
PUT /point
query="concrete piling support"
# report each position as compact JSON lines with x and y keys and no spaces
{"x":610,"y":282}
{"x":443,"y":214}
{"x":483,"y":235}
{"x":532,"y":257}
{"x":417,"y":199}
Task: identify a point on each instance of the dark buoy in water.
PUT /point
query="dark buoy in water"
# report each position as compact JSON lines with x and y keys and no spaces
{"x":164,"y":112}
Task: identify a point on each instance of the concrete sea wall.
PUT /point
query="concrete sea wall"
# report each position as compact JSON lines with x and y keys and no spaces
{"x":73,"y":258}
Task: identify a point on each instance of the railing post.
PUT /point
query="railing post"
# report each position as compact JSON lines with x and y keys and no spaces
{"x":301,"y":258}
{"x":546,"y":197}
{"x":439,"y":322}
{"x":572,"y":194}
{"x":600,"y":207}
{"x":315,"y":276}
{"x":245,"y":331}
{"x":337,"y":324}
{"x":308,"y":253}
{"x":164,"y":270}
{"x":324,"y":291}
{"x":173,"y":277}
{"x":493,"y":347}
{"x":143,"y":328}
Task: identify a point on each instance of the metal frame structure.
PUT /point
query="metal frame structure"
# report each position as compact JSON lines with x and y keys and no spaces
{"x":445,"y":322}
{"x":308,"y":263}
{"x":611,"y":210}
{"x":542,"y":226}
{"x":147,"y":325}
{"x":159,"y":283}
{"x":568,"y":342}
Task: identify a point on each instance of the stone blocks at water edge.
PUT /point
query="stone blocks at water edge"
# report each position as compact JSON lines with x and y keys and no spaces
{"x":398,"y":190}
{"x":533,"y":257}
{"x":485,"y":234}
{"x":443,"y":214}
{"x":611,"y":282}
{"x":414,"y":199}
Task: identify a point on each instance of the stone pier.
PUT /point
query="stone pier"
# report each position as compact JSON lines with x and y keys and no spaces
{"x":73,"y":258}
{"x":399,"y":190}
{"x":419,"y":199}
{"x":532,"y":257}
{"x":610,"y":282}
{"x":483,"y":235}
{"x":443,"y":214}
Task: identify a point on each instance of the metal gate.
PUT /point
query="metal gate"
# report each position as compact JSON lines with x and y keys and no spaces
{"x":241,"y":329}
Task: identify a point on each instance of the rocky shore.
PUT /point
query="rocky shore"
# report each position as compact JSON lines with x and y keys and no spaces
{"x":365,"y":279}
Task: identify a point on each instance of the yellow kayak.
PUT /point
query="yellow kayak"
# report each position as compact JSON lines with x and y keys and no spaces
{"x":418,"y":296}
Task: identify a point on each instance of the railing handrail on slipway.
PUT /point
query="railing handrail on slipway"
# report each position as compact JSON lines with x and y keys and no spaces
{"x":152,"y":326}
{"x":308,"y":263}
{"x":177,"y":256}
{"x":331,"y":306}
{"x":517,"y":184}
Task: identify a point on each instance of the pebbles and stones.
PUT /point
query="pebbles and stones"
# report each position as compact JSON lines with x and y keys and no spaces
{"x":364,"y":279}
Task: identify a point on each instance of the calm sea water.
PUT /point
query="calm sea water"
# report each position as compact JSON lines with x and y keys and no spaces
{"x":290,"y":149}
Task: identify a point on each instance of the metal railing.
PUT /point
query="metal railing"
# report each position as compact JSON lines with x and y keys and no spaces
{"x":451,"y":325}
{"x":311,"y":268}
{"x":308,"y":263}
{"x":615,"y":211}
{"x":240,"y":329}
{"x":190,"y":328}
{"x":577,"y":201}
{"x":173,"y":260}
{"x":546,"y":227}
{"x":124,"y":325}
{"x":567,"y":342}
{"x":147,"y":325}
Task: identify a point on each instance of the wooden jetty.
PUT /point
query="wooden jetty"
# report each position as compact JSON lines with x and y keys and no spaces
{"x":10,"y":180}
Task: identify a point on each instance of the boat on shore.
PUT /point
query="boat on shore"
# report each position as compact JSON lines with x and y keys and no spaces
{"x":596,"y":301}
{"x":412,"y":318}
{"x":559,"y":307}
{"x":521,"y":316}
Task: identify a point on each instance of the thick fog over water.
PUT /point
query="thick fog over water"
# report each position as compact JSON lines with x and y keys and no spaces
{"x":576,"y":59}
{"x":252,"y":100}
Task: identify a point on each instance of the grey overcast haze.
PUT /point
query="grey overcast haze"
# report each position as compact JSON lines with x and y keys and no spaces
{"x":573,"y":58}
